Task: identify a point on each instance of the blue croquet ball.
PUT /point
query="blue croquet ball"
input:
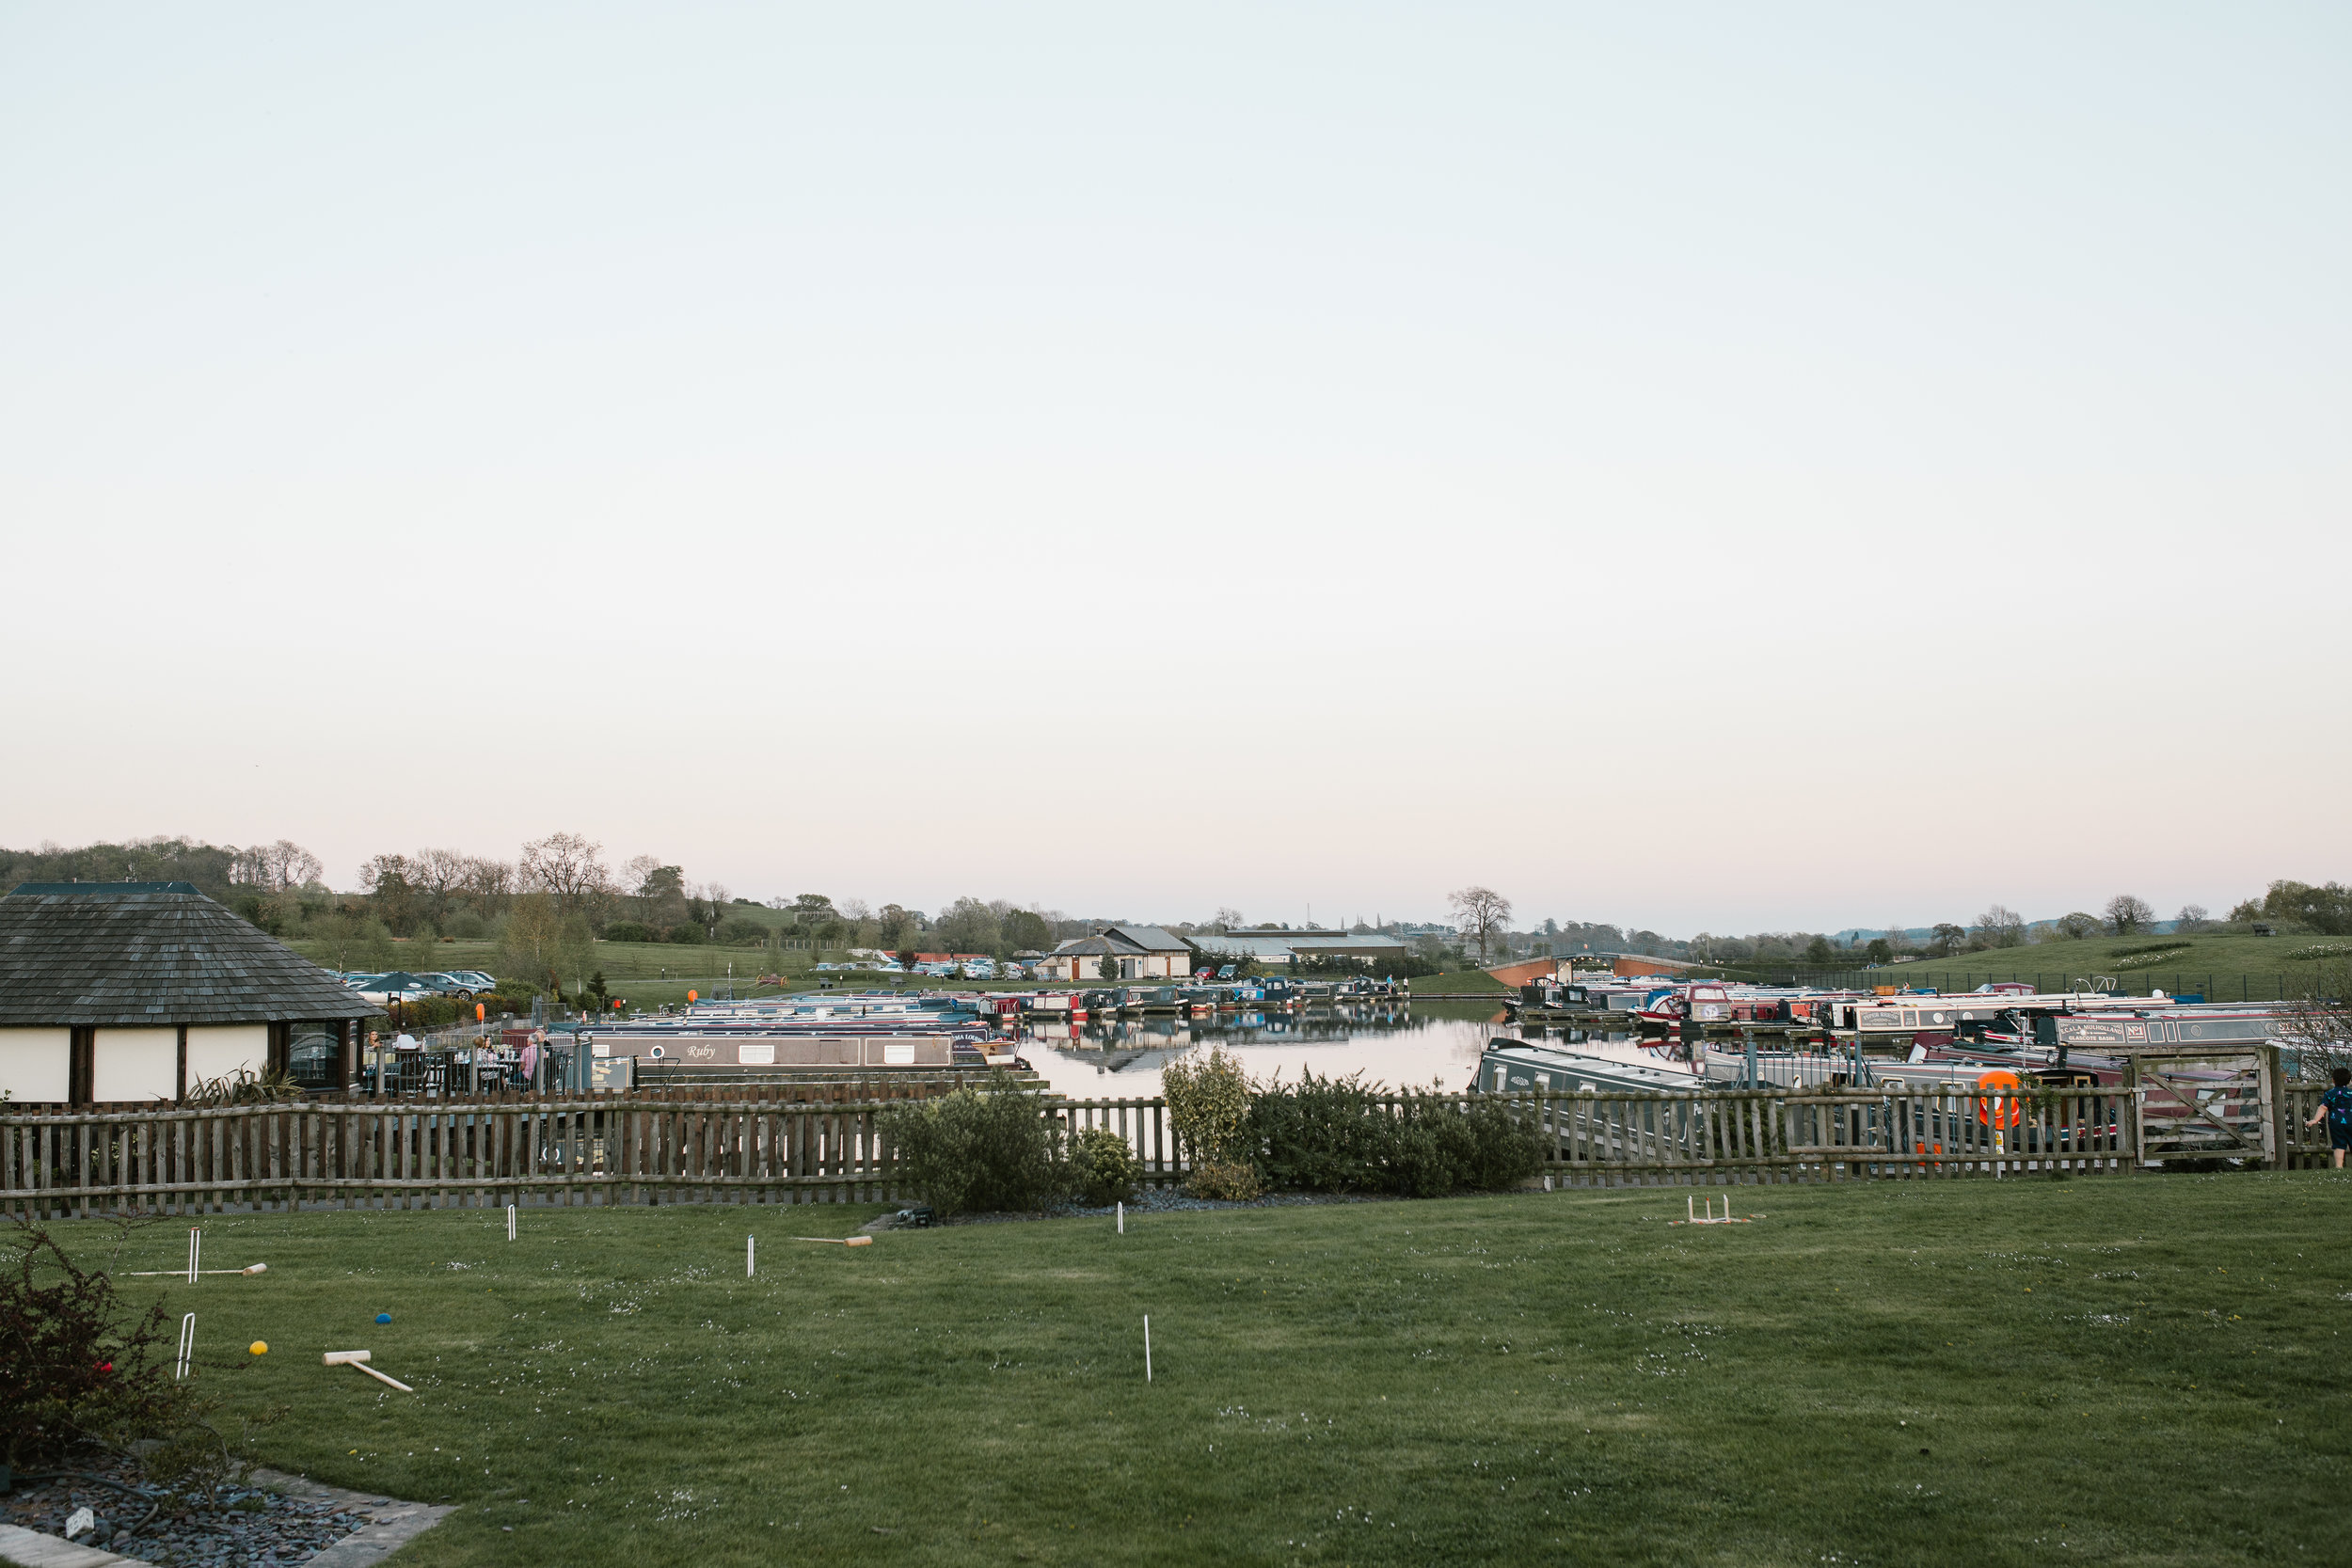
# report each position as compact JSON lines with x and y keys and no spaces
{"x":383,"y":1316}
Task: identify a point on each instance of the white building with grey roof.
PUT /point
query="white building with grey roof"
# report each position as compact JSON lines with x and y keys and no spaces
{"x":1137,"y":952}
{"x":136,"y":992}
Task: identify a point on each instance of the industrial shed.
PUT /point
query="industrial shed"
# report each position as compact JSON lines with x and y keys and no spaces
{"x":133,"y":992}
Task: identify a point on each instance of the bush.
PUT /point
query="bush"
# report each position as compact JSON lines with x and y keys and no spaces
{"x":1104,"y":1169}
{"x":1505,"y":1149}
{"x":1224,"y":1181}
{"x":1208,"y":1105}
{"x":78,"y":1367}
{"x":1322,"y":1136}
{"x":627,"y":930}
{"x":979,"y":1151}
{"x":687,"y":936}
{"x":1327,"y":1135}
{"x":743,"y":933}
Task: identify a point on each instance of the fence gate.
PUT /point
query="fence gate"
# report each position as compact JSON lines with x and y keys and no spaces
{"x":2204,"y":1105}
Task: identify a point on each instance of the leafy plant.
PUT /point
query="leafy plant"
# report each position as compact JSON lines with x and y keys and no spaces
{"x":979,"y":1151}
{"x":242,"y":1087}
{"x":1224,"y":1181}
{"x":77,"y":1365}
{"x":1208,"y":1104}
{"x":1104,"y":1169}
{"x":1321,"y":1134}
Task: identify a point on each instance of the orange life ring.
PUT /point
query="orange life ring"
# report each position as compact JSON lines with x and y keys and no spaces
{"x":1999,"y":1108}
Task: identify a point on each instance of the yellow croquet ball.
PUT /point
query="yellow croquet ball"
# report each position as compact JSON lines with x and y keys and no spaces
{"x":259,"y":1347}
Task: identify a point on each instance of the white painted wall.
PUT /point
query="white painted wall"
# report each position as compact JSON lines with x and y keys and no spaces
{"x":36,"y":1065}
{"x":136,"y":1063}
{"x":215,"y":1049}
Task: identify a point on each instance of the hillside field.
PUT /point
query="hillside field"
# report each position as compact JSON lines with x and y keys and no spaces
{"x":2223,"y":967}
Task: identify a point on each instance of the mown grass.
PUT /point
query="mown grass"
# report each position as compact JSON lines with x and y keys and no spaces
{"x":2121,"y":1371}
{"x":1462,"y":982}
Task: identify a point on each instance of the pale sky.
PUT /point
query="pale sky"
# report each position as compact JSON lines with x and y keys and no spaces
{"x":1696,"y":466}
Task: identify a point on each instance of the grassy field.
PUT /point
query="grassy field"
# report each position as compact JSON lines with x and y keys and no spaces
{"x":1466,"y":982}
{"x":2226,"y":967}
{"x":2143,"y":1371}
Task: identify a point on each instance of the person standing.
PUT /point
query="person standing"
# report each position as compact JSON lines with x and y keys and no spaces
{"x":2336,"y":1106}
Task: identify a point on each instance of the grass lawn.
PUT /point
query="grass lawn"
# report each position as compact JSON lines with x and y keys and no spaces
{"x":2224,"y":968}
{"x":2142,"y":1370}
{"x":1462,"y":982}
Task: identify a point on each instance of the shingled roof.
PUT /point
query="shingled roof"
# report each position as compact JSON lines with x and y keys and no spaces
{"x":133,"y":953}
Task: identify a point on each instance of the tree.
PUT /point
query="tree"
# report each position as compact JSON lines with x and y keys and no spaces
{"x":1026,"y":932}
{"x":2326,"y":908}
{"x":385,"y":879}
{"x":1228,"y":919}
{"x":2077,"y":926}
{"x":1819,"y":953}
{"x":2192,"y":919}
{"x":1484,"y":915}
{"x":1947,"y":939}
{"x":437,"y":878}
{"x":568,"y":868}
{"x":2128,"y":914}
{"x":1879,"y":951}
{"x":542,"y":942}
{"x":2246,"y":909}
{"x":2001,"y":927}
{"x":2319,"y":1022}
{"x":1108,"y":968}
{"x":969,"y":925}
{"x":279,"y":867}
{"x":813,"y":910}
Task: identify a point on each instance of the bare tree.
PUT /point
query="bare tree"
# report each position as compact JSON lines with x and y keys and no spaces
{"x":2128,"y":914}
{"x":567,"y":867}
{"x":1228,"y":919}
{"x":636,"y":885}
{"x":2318,"y":1024}
{"x":488,"y":884}
{"x":279,"y":867}
{"x":437,"y":878}
{"x":2192,"y":919}
{"x":1484,"y":915}
{"x":2001,"y":927}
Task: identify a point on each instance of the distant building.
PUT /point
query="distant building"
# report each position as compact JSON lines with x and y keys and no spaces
{"x":1277,"y":947}
{"x":133,"y":992}
{"x":1139,"y":953}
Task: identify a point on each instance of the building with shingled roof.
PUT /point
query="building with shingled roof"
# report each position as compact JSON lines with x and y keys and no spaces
{"x":133,"y":992}
{"x":1139,"y":953}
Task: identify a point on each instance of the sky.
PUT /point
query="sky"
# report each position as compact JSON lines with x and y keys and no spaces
{"x":1696,"y":466}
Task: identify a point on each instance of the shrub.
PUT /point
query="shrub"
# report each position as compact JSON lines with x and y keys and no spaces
{"x":978,"y":1150}
{"x":1208,"y":1105}
{"x":686,"y":936}
{"x":1103,"y":1170}
{"x":627,"y":930}
{"x":743,"y":933}
{"x":1322,"y":1136}
{"x":1224,"y":1181}
{"x":76,"y":1365}
{"x":1342,"y":1134}
{"x":1504,"y":1148}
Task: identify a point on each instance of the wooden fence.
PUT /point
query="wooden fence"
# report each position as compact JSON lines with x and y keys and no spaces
{"x":754,"y":1147}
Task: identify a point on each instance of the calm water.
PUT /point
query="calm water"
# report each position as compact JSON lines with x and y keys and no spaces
{"x":1395,"y":1046}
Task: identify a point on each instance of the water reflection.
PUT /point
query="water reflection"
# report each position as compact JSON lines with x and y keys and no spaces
{"x":1121,"y":1058}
